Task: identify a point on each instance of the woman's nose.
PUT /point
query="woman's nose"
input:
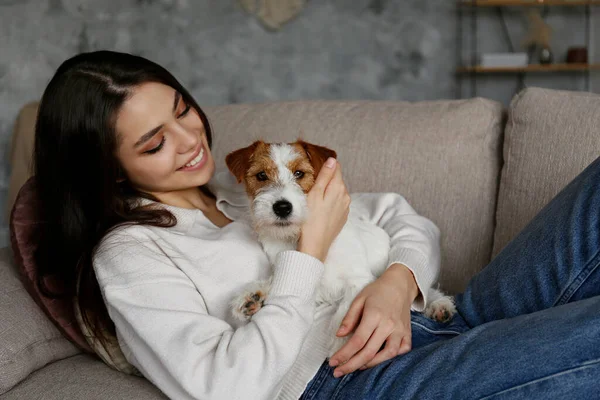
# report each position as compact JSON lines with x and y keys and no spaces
{"x":188,"y":139}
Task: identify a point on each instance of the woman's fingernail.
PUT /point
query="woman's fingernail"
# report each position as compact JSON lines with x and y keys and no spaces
{"x":342,"y":329}
{"x":337,"y":374}
{"x":333,"y":363}
{"x":330,"y":162}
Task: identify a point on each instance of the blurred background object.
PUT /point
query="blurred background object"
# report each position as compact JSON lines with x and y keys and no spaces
{"x":577,"y":55}
{"x":542,"y":27}
{"x":273,"y":13}
{"x":538,"y":38}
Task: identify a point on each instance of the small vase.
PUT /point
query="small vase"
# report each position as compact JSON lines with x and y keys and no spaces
{"x":545,"y":55}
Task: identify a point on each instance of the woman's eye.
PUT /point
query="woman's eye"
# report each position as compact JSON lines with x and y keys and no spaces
{"x":262,"y":176}
{"x":185,"y":111}
{"x":298,"y":174}
{"x":157,"y":148}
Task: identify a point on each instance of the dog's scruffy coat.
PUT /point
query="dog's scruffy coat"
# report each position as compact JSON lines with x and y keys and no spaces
{"x":277,"y":178}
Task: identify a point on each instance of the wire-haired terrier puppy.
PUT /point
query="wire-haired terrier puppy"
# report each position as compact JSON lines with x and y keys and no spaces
{"x":277,"y":177}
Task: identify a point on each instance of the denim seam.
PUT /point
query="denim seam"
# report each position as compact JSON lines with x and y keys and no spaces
{"x":579,"y":280}
{"x":316,"y":385}
{"x":341,"y":385}
{"x":435,"y":332}
{"x":584,"y":365}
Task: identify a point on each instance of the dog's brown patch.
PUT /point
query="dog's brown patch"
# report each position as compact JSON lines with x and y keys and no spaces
{"x":302,"y":163}
{"x":260,"y":162}
{"x":317,"y":155}
{"x":238,"y":161}
{"x":246,"y":163}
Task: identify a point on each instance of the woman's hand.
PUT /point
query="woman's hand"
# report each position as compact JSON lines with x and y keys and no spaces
{"x":382,"y":312}
{"x":328,"y":204}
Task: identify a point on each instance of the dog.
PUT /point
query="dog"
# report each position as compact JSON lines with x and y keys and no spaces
{"x":277,"y":177}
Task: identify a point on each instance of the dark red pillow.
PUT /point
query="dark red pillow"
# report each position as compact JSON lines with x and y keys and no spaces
{"x":22,"y":225}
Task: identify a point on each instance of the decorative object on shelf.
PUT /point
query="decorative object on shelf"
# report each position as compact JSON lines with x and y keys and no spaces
{"x":579,"y":62}
{"x":538,"y":37}
{"x":545,"y":55}
{"x":577,"y":55}
{"x":493,"y":60}
{"x":273,"y":13}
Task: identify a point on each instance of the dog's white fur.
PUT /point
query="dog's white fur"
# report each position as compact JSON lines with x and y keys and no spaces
{"x":356,"y":258}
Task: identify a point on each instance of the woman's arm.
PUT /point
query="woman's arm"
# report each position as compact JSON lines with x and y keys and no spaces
{"x":381,"y":312}
{"x":166,"y":332}
{"x":414,"y":239}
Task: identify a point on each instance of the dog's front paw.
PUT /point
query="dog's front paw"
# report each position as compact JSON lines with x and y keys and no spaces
{"x":248,"y":304}
{"x":441,"y":310}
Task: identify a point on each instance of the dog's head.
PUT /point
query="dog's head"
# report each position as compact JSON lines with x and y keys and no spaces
{"x":277,"y":177}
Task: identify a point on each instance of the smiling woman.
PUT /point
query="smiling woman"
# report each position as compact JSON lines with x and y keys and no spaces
{"x":121,"y":149}
{"x":172,"y":156}
{"x":96,"y":106}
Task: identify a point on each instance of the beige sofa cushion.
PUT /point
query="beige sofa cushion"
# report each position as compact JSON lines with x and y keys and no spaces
{"x":550,"y":137}
{"x":83,"y":377}
{"x":28,"y":340}
{"x":442,"y":156}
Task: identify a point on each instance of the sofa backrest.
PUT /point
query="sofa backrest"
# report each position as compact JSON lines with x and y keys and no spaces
{"x":551,"y":136}
{"x":442,"y":156}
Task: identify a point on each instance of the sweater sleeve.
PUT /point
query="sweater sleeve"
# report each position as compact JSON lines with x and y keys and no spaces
{"x":165,"y":330}
{"x":414,"y":239}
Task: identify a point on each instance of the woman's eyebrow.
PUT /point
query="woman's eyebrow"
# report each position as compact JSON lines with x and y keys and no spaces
{"x":148,"y":135}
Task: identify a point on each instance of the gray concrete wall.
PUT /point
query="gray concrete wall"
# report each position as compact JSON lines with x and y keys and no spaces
{"x":336,"y":49}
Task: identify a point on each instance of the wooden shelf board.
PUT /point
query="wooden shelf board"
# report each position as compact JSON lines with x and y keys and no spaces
{"x":530,"y":68}
{"x":507,"y":3}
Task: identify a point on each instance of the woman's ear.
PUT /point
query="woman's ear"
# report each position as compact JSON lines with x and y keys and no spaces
{"x":317,"y":155}
{"x":238,"y":161}
{"x":121,"y":177}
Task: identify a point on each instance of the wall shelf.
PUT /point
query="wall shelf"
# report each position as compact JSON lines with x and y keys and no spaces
{"x":511,"y":3}
{"x":529,"y":68}
{"x":469,"y":70}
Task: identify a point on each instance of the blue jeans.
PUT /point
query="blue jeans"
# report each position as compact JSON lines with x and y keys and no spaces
{"x":527,"y":327}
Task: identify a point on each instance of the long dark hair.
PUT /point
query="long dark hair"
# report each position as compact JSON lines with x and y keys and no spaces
{"x":78,"y":179}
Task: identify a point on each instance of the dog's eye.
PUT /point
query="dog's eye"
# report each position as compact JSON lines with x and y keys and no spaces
{"x":298,"y":174}
{"x":262,"y":176}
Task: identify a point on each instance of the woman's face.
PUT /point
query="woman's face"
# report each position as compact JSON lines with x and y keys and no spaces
{"x":163,"y":145}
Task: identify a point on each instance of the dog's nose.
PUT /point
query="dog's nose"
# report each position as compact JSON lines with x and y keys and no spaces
{"x":282,"y":208}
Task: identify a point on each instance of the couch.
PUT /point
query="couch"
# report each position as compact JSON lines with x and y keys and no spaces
{"x":478,"y":170}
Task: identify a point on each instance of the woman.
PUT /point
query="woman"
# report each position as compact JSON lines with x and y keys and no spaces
{"x":133,"y":207}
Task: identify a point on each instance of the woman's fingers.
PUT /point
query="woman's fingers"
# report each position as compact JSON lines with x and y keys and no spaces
{"x":329,"y":205}
{"x":352,"y":317}
{"x":368,"y":324}
{"x":325,"y":175}
{"x":366,"y":354}
{"x":392,"y":348}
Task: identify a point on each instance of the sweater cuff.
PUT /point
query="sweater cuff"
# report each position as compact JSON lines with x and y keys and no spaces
{"x":418,"y":265}
{"x":296,"y":274}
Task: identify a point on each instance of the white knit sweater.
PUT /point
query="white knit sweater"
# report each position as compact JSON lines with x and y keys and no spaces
{"x":168,"y":292}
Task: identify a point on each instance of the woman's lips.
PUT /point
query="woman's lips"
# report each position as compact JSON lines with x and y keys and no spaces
{"x":199,"y":164}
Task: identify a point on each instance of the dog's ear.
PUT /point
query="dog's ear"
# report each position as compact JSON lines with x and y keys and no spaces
{"x":238,"y":161}
{"x":317,"y":155}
